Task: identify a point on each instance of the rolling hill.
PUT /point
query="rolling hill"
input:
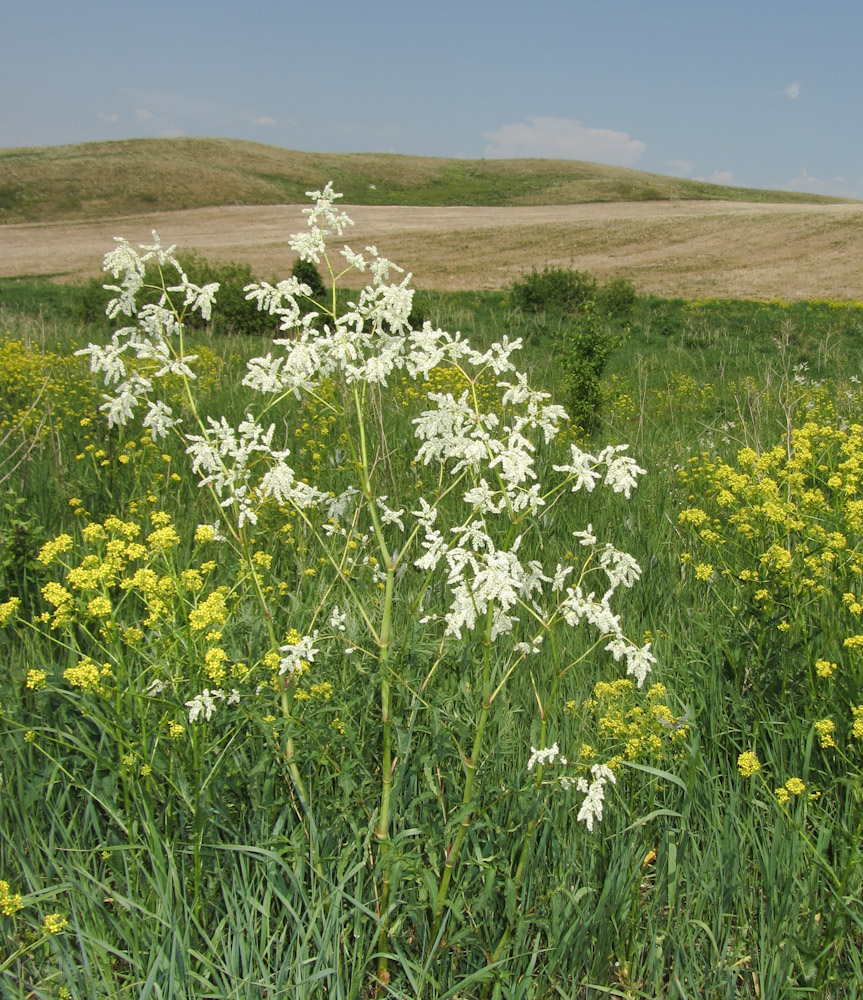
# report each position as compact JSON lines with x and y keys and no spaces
{"x":104,"y":179}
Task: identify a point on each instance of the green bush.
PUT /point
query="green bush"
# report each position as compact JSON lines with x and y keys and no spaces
{"x":586,"y":347}
{"x":306,"y":272}
{"x":617,"y":298}
{"x":235,"y":315}
{"x":554,"y":289}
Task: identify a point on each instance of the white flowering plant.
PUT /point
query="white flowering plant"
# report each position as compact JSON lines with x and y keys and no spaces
{"x":407,"y":579}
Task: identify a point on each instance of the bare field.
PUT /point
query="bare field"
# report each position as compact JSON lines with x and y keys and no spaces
{"x":687,"y":249}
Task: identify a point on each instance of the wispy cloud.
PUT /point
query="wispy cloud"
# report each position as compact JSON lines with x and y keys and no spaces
{"x":103,"y":116}
{"x":839,"y":187}
{"x":563,"y":138}
{"x":721,"y":177}
{"x":166,"y":113}
{"x":792,"y":91}
{"x":683,"y":167}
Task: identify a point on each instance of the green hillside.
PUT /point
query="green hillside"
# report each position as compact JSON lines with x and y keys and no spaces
{"x":103,"y":179}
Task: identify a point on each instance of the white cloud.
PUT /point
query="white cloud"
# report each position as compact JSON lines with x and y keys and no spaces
{"x":721,"y":177}
{"x":683,"y":167}
{"x":839,"y":187}
{"x":264,"y":120}
{"x":110,"y":118}
{"x":792,"y":91}
{"x":143,"y":115}
{"x":563,"y":138}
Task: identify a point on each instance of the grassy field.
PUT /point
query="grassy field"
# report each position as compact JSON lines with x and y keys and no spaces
{"x":100,"y":180}
{"x":374,"y":821}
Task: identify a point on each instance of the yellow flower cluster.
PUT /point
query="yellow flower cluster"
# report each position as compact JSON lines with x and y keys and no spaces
{"x":214,"y":664}
{"x":826,"y":728}
{"x":824,"y":668}
{"x":34,"y":381}
{"x":213,"y":610}
{"x":36,"y":680}
{"x":786,"y":526}
{"x":640,"y":731}
{"x":793,"y":786}
{"x":163,"y":539}
{"x":8,"y":609}
{"x":86,"y":675}
{"x":748,"y":764}
{"x":50,"y":550}
{"x":10,"y":902}
{"x":54,"y":923}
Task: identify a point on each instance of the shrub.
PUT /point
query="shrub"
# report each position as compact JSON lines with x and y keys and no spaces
{"x":235,"y":313}
{"x":586,"y":346}
{"x":618,"y":297}
{"x":554,"y":289}
{"x":306,"y":272}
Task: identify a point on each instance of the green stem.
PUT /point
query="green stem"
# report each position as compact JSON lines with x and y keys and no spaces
{"x":470,"y":764}
{"x":544,"y":711}
{"x":382,"y":829}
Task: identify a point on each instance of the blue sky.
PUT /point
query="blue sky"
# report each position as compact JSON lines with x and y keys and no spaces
{"x":756,"y":93}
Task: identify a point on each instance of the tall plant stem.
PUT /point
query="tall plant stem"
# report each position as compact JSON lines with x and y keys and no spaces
{"x":544,"y":711}
{"x":470,"y":765}
{"x":382,"y":828}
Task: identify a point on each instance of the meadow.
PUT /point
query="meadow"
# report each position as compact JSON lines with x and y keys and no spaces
{"x":394,"y":719}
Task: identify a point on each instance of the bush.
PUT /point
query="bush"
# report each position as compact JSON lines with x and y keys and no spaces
{"x":306,"y":272}
{"x":554,"y":289}
{"x":618,"y":297}
{"x":586,"y":346}
{"x":234,"y":315}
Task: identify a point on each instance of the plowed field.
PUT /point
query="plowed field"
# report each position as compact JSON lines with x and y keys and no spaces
{"x":686,"y":249}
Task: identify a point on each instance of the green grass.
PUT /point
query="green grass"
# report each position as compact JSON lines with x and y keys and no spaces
{"x":98,"y":180}
{"x":211,"y":879}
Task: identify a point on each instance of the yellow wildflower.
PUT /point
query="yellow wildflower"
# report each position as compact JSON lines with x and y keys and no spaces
{"x":748,"y":764}
{"x":99,"y":607}
{"x":212,"y":611}
{"x":36,"y":680}
{"x":205,"y":533}
{"x":85,"y":675}
{"x":54,"y":923}
{"x":50,"y":550}
{"x":825,"y":729}
{"x":10,"y":902}
{"x":163,"y":539}
{"x":8,"y":609}
{"x":824,"y":668}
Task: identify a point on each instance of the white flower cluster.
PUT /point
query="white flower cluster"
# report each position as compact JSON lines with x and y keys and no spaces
{"x":545,"y":757}
{"x":205,"y":703}
{"x":151,"y":339}
{"x":593,"y":791}
{"x":621,"y":471}
{"x":298,"y":654}
{"x":594,"y":794}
